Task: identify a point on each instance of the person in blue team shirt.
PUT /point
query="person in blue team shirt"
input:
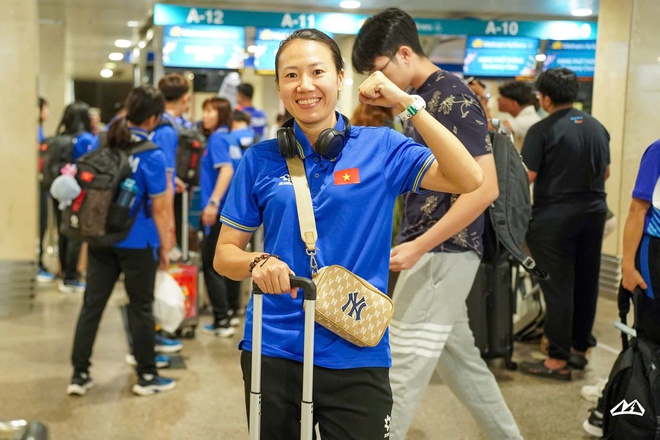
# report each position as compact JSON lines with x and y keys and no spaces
{"x":242,"y":131}
{"x":176,"y":90}
{"x":220,"y":159}
{"x":138,"y":256}
{"x":76,"y":122}
{"x":258,"y":120}
{"x":352,"y":396}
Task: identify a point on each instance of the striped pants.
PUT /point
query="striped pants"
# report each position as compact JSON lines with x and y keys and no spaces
{"x":430,"y":331}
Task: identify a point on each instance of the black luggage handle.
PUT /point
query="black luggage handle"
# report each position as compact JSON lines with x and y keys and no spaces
{"x":307,"y":285}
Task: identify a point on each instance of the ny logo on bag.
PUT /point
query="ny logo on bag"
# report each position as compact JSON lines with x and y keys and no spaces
{"x":356,"y":306}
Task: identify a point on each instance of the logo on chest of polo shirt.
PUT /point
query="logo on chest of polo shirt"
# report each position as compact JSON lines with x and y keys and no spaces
{"x":355,"y":305}
{"x":286,"y":180}
{"x":349,"y":176}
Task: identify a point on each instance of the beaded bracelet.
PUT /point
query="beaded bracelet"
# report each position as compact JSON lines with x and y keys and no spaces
{"x":262,"y":257}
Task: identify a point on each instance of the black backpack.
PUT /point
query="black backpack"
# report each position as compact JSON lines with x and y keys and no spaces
{"x":54,"y":153}
{"x":509,"y":215}
{"x":631,"y":401}
{"x":189,"y":153}
{"x":94,"y":216}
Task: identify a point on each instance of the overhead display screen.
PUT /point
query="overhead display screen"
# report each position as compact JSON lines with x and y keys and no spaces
{"x":577,"y":55}
{"x":500,"y":56}
{"x":267,"y":41}
{"x":209,"y":47}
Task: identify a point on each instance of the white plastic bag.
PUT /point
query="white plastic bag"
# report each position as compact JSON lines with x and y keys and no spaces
{"x":169,"y":302}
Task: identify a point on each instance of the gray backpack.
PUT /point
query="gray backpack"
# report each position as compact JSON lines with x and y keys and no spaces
{"x":511,"y":212}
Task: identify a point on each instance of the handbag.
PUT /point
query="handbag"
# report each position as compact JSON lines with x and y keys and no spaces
{"x":346,"y":304}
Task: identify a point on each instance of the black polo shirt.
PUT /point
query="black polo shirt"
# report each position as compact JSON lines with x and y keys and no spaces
{"x":569,"y":150}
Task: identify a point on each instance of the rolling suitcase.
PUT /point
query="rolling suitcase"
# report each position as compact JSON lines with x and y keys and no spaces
{"x":307,"y":406}
{"x":491,"y":305}
{"x":187,"y":275}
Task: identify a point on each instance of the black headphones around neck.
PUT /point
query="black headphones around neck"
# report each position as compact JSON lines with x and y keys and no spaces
{"x":328,"y":145}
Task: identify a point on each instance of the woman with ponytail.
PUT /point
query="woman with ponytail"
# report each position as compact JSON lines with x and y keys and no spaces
{"x":138,"y":256}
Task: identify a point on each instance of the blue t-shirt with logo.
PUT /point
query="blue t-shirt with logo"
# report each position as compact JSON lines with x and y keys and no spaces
{"x":353,"y":198}
{"x":149,"y":174}
{"x":258,"y":120}
{"x":166,"y":136}
{"x":245,"y":137}
{"x":221,"y":149}
{"x":647,"y":188}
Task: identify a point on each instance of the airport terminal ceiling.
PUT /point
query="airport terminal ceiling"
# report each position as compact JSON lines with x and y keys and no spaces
{"x":92,"y":26}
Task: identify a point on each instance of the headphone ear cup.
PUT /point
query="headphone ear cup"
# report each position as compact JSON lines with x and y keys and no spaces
{"x":286,"y":141}
{"x":330,"y":143}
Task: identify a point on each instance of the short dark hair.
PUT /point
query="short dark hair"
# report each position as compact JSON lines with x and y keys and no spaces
{"x":75,"y":119}
{"x":173,"y":86}
{"x":518,"y":91}
{"x":559,"y":84}
{"x":142,"y":103}
{"x":382,"y":35}
{"x":246,"y":90}
{"x":241,"y":116}
{"x":311,"y":35}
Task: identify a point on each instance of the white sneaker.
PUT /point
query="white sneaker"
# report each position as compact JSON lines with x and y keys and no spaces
{"x":591,"y":393}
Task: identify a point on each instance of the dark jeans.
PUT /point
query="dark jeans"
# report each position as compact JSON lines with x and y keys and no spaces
{"x":105,"y":264}
{"x":69,"y":251}
{"x":223,"y":292}
{"x":44,"y":196}
{"x":568,"y":248}
{"x":178,"y":217}
{"x":350,"y":404}
{"x":648,"y":256}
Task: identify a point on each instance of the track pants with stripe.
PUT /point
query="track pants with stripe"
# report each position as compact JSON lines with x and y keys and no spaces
{"x":430,"y":331}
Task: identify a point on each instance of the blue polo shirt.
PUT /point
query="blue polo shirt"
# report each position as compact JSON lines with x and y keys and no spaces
{"x":647,"y":188}
{"x":83,"y":143}
{"x":166,"y":136}
{"x":149,"y":174}
{"x":221,"y":149}
{"x":353,"y":198}
{"x":245,"y":137}
{"x":258,"y":120}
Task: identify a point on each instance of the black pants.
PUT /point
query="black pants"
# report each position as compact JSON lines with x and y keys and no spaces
{"x":351,"y":404}
{"x":568,"y":248}
{"x":647,"y":262}
{"x":223,"y":292}
{"x":105,"y":264}
{"x":69,"y":251}
{"x":44,"y":196}
{"x":178,"y":217}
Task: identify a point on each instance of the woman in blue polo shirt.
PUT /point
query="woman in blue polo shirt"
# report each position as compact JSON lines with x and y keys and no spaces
{"x":352,"y":396}
{"x":221,"y":158}
{"x":138,"y":256}
{"x":76,"y":122}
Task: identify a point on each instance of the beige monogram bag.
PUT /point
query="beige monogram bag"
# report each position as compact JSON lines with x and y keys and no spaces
{"x":346,"y":304}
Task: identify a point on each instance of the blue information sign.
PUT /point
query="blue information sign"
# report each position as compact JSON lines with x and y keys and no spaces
{"x":579,"y":56}
{"x":343,"y":23}
{"x":214,"y":47}
{"x":267,"y":41}
{"x":500,"y":56}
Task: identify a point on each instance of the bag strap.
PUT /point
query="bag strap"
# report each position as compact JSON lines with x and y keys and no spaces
{"x":304,"y":207}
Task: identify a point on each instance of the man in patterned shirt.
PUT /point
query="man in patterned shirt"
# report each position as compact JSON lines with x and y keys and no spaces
{"x":439,"y":241}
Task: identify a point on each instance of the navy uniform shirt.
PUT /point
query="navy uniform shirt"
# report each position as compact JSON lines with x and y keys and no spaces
{"x":452,"y":103}
{"x":570,"y":152}
{"x":353,"y":198}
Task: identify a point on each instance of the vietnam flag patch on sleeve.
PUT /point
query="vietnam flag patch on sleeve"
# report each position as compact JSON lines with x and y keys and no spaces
{"x":348,"y":176}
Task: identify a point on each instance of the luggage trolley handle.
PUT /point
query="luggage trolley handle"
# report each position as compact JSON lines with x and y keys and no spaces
{"x":307,"y":406}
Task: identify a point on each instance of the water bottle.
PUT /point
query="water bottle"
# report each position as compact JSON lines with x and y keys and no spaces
{"x":127,"y":192}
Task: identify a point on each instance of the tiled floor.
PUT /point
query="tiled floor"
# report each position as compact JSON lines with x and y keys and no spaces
{"x":208,"y":401}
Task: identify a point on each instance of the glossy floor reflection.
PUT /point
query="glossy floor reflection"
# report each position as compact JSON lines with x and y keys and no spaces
{"x":208,"y":400}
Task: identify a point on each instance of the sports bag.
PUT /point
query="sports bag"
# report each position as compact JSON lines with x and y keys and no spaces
{"x":54,"y":153}
{"x":189,"y":152}
{"x":95,"y":216}
{"x":346,"y":304}
{"x":510,"y":214}
{"x":631,"y":401}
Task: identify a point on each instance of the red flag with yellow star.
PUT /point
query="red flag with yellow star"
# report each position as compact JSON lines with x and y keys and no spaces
{"x":348,"y":176}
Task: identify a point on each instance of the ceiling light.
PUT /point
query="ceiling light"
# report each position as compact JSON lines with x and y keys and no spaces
{"x":106,"y":73}
{"x":116,"y":56}
{"x":133,"y":23}
{"x":142,"y":44}
{"x":349,"y":4}
{"x":122,"y":43}
{"x":581,"y":12}
{"x":540,"y":57}
{"x":110,"y":66}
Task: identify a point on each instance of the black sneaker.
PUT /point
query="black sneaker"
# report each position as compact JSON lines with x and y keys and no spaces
{"x":149,"y":384}
{"x":80,"y":384}
{"x":594,"y":424}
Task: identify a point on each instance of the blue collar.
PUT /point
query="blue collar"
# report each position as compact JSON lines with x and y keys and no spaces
{"x":221,"y":129}
{"x":305,"y":148}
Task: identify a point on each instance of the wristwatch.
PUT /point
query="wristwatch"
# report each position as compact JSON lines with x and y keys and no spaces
{"x":413,"y":108}
{"x":213,"y":203}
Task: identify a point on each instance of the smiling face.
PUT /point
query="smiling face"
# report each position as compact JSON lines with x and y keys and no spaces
{"x":308,"y":83}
